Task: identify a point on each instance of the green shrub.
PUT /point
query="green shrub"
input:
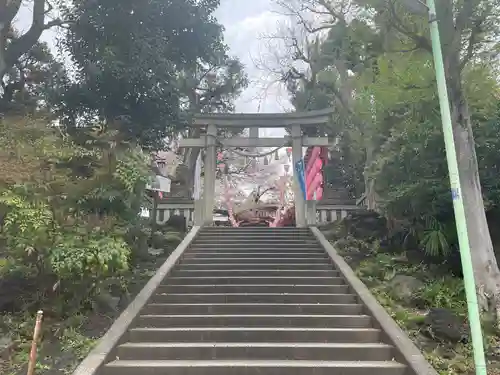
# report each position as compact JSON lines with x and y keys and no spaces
{"x":445,"y":292}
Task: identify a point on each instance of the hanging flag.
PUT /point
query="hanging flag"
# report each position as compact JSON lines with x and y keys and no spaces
{"x":266,"y":162}
{"x":276,"y":155}
{"x":299,"y":169}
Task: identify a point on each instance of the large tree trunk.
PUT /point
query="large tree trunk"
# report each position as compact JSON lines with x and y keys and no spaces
{"x":10,"y":54}
{"x":486,"y":271}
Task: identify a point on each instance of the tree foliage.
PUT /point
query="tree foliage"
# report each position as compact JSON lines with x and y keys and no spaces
{"x":32,"y":82}
{"x":131,"y":61}
{"x":75,"y":140}
{"x":67,"y":207}
{"x":371,"y":60}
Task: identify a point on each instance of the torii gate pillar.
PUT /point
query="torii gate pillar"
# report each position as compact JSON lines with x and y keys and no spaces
{"x":209,"y":176}
{"x":300,"y":209}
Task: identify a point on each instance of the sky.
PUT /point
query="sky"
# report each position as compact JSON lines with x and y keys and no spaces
{"x":247,"y":23}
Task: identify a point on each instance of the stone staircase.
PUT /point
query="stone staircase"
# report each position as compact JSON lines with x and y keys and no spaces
{"x":248,"y":301}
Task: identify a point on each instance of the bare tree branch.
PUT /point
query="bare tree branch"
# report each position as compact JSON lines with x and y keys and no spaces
{"x":11,"y":53}
{"x":8,"y":10}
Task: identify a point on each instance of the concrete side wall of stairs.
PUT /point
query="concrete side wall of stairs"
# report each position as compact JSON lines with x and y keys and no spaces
{"x":251,"y":301}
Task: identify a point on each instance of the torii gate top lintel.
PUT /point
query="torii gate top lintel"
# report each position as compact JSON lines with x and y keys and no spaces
{"x":263,"y":120}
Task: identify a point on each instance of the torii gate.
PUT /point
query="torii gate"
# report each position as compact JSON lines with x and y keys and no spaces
{"x":294,"y":121}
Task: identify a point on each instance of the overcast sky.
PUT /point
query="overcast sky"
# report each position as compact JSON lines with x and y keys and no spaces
{"x":246,"y":22}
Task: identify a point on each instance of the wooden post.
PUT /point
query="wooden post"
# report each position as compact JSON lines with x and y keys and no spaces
{"x":300,"y":219}
{"x":209,"y":178}
{"x":34,"y":343}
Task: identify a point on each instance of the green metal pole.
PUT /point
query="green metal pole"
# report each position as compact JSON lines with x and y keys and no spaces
{"x":458,"y":204}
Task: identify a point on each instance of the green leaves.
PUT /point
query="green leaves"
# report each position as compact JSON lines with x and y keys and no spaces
{"x":28,"y":225}
{"x":93,"y":256}
{"x":390,"y":133}
{"x":131,"y":57}
{"x":132,"y":171}
{"x":67,"y":216}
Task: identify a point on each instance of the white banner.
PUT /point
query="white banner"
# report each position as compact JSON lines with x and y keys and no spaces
{"x":197,"y":178}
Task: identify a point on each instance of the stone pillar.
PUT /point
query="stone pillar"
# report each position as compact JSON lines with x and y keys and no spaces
{"x":209,"y":177}
{"x":300,"y":217}
{"x":253,"y":132}
{"x":199,"y":207}
{"x":311,"y":213}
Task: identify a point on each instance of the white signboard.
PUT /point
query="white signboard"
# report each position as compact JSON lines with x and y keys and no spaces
{"x":160,"y":184}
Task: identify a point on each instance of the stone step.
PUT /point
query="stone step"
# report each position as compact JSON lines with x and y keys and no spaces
{"x":257,"y":253}
{"x":253,"y":298}
{"x":256,"y":249}
{"x":249,"y":320}
{"x":261,"y":244}
{"x":185,"y":266}
{"x":245,"y":235}
{"x":249,"y":241}
{"x":252,"y":334}
{"x":254,"y":273}
{"x":263,"y":248}
{"x":223,"y":253}
{"x":256,"y":258}
{"x":255,"y":351}
{"x":256,"y":236}
{"x":245,"y":367}
{"x":253,"y":288}
{"x":255,"y":229}
{"x":253,"y":308}
{"x":253,"y":301}
{"x":257,"y":280}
